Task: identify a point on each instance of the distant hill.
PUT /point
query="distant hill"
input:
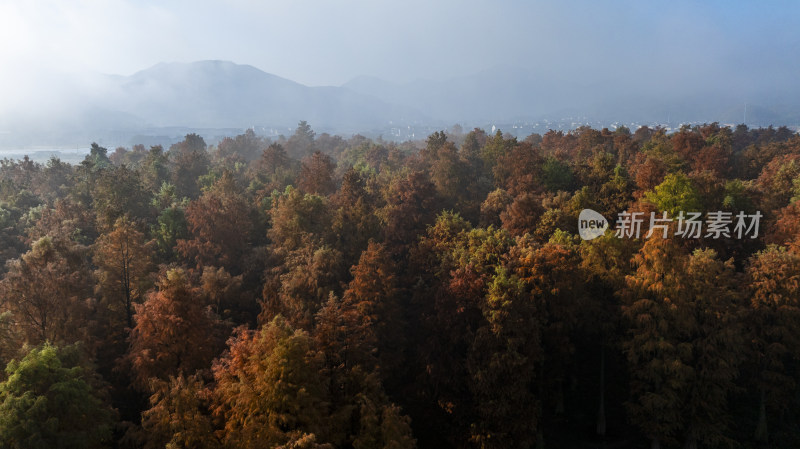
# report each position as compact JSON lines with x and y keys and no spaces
{"x":222,"y":97}
{"x":197,"y":95}
{"x":214,"y":94}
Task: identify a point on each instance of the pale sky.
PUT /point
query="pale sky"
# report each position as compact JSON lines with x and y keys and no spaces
{"x":325,"y":42}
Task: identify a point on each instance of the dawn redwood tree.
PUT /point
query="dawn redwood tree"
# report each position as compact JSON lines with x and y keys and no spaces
{"x":522,"y":215}
{"x":354,"y":222}
{"x":381,"y":423}
{"x":316,"y":174}
{"x":46,"y":291}
{"x":124,"y":263}
{"x":773,"y":317}
{"x":549,"y":273}
{"x":274,"y":170}
{"x":269,"y":388}
{"x":503,"y":367}
{"x":493,"y":206}
{"x":606,"y":261}
{"x":242,"y":148}
{"x":65,"y":219}
{"x":472,"y":144}
{"x":714,"y":158}
{"x":776,"y":181}
{"x":412,"y":204}
{"x":647,"y":171}
{"x":297,"y":217}
{"x":786,"y":228}
{"x":615,"y":195}
{"x":362,"y":333}
{"x":658,"y":361}
{"x":175,"y":332}
{"x":520,"y":169}
{"x":687,"y":143}
{"x":301,"y":284}
{"x":369,"y":313}
{"x":685,"y":345}
{"x":227,"y":297}
{"x":495,"y":148}
{"x":450,"y":173}
{"x":118,"y":191}
{"x":361,"y":338}
{"x":54,"y":179}
{"x":710,"y":317}
{"x":458,"y":263}
{"x":220,"y":225}
{"x":180,"y":415}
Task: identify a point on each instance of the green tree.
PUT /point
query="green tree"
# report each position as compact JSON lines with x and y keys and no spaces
{"x":97,"y":158}
{"x":674,"y":195}
{"x":495,"y":148}
{"x":155,"y":169}
{"x":51,"y":399}
{"x":556,"y":175}
{"x":296,"y":216}
{"x":117,"y":192}
{"x":171,"y":225}
{"x":188,"y":161}
{"x":301,"y":143}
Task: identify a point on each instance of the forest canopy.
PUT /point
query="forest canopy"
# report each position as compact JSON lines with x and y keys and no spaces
{"x":317,"y":291}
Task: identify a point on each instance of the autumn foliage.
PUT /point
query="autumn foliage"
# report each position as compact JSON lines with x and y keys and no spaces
{"x":326,"y":292}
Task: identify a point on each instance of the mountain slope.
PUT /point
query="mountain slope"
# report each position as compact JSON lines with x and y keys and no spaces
{"x":224,"y":94}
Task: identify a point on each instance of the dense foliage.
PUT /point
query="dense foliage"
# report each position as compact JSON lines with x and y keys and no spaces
{"x":321,"y":292}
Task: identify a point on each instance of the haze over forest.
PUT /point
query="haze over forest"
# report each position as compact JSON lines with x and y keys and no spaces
{"x":123,"y":72}
{"x":306,"y":224}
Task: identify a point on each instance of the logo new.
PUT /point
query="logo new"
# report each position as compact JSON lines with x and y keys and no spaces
{"x":591,"y":224}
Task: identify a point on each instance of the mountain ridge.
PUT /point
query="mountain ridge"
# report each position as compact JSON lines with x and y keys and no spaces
{"x":219,"y":94}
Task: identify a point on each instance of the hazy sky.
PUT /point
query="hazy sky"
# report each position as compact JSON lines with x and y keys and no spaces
{"x":325,"y":42}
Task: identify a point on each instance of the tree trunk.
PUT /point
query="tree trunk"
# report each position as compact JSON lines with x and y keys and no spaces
{"x":655,"y":444}
{"x":601,"y":410}
{"x":761,"y":429}
{"x":540,"y":431}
